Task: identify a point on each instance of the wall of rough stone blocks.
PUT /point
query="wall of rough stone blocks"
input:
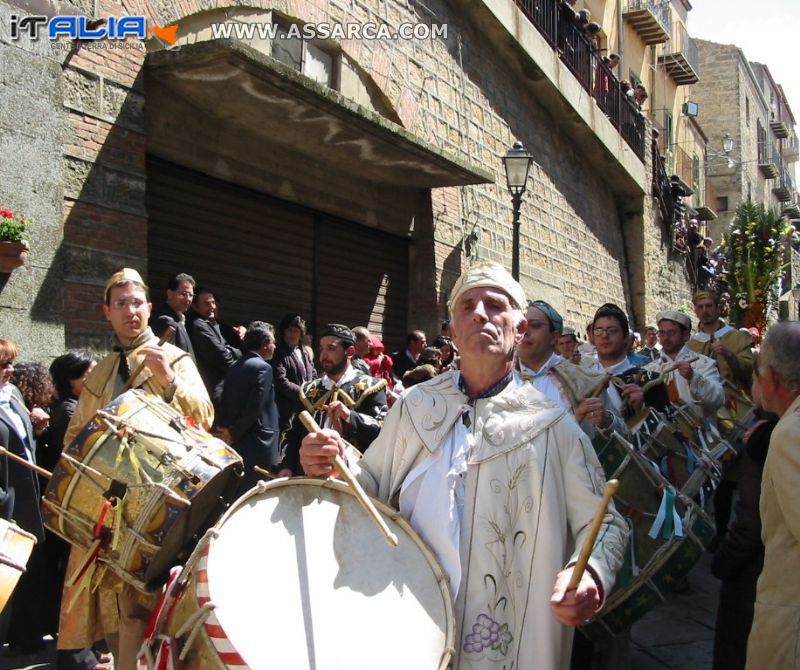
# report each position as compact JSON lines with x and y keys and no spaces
{"x":31,"y":127}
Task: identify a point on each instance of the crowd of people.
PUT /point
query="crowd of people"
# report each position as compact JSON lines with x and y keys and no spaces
{"x":483,"y":441}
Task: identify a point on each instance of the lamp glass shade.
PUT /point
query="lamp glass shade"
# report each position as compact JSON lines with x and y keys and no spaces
{"x":517,"y":163}
{"x":796,"y":293}
{"x":727,"y":144}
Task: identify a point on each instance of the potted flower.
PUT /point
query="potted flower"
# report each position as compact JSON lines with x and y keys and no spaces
{"x":14,"y":245}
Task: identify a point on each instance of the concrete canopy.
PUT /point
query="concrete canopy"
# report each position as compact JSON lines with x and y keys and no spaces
{"x":232,"y":82}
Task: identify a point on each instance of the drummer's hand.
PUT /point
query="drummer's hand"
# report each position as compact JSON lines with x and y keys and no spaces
{"x":39,"y":419}
{"x":719,"y":349}
{"x":155,"y":358}
{"x":634,"y":395}
{"x":337,"y":410}
{"x":316,"y":451}
{"x":685,"y":370}
{"x":593,"y":410}
{"x":574,"y":607}
{"x":224,"y":434}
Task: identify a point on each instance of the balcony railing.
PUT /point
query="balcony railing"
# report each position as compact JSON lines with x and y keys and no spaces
{"x":680,"y":57}
{"x":791,"y":150}
{"x":791,"y":209}
{"x":684,"y":170}
{"x":785,"y":187}
{"x":769,"y":160}
{"x":649,"y":18}
{"x":556,"y":22}
{"x":661,"y":184}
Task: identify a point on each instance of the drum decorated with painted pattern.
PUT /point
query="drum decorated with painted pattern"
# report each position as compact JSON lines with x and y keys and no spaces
{"x":138,"y":486}
{"x":669,"y":533}
{"x":296,"y":575}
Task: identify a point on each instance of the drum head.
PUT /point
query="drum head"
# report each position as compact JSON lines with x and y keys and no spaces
{"x":302,"y":578}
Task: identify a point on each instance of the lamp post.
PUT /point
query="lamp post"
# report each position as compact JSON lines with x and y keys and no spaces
{"x":796,"y":297}
{"x":517,"y":164}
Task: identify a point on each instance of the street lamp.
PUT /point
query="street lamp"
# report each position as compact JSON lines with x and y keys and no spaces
{"x":517,"y":164}
{"x":727,"y":143}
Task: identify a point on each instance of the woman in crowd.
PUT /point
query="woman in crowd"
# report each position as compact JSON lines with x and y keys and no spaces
{"x":19,"y":499}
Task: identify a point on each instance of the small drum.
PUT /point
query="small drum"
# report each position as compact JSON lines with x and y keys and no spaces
{"x":295,"y":575}
{"x":652,"y":567}
{"x":16,"y":546}
{"x":138,"y":486}
{"x":681,"y":461}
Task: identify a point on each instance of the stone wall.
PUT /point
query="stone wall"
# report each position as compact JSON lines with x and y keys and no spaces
{"x":31,"y":174}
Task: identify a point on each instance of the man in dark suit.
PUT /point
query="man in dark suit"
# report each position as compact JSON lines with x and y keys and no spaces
{"x":248,"y":418}
{"x":213,"y":352}
{"x":180,"y":293}
{"x":406,"y":359}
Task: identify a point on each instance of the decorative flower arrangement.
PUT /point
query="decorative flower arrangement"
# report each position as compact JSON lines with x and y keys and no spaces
{"x":13,"y":228}
{"x":755,"y":248}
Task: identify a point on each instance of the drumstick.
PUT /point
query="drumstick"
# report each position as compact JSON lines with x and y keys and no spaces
{"x":27,"y":464}
{"x":601,"y":385}
{"x":169,"y":333}
{"x":265,"y":472}
{"x":594,"y":529}
{"x":341,"y":466}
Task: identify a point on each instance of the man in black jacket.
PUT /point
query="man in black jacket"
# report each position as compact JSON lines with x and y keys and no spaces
{"x":180,"y":292}
{"x":248,"y":419}
{"x":213,"y":351}
{"x":345,"y":399}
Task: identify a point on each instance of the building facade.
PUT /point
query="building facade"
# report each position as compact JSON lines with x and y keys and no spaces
{"x":338,"y":176}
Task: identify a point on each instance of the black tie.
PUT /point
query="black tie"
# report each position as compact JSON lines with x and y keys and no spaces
{"x":124,"y":370}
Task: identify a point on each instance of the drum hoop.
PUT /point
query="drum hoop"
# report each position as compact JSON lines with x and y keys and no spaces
{"x":203,"y":547}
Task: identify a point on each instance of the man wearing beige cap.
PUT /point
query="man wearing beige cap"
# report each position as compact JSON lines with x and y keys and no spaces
{"x":730,"y":347}
{"x":696,"y":384}
{"x":121,"y":615}
{"x":499,"y":481}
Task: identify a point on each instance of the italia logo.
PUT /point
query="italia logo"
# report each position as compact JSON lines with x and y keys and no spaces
{"x":87,"y":29}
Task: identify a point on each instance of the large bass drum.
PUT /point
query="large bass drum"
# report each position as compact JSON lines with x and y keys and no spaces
{"x":137,"y":485}
{"x":296,"y":575}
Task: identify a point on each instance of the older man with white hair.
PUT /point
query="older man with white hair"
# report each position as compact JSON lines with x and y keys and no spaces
{"x":776,"y":623}
{"x":501,"y":483}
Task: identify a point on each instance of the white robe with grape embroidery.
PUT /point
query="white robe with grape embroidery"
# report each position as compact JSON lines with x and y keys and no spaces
{"x":532,"y":487}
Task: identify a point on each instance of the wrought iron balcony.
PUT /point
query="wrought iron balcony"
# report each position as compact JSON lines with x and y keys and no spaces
{"x":791,"y":210}
{"x":785,"y":187}
{"x":769,"y":161}
{"x":779,"y":128}
{"x":649,"y":18}
{"x":684,"y":170}
{"x":680,"y":57}
{"x":556,"y":22}
{"x":791,"y":150}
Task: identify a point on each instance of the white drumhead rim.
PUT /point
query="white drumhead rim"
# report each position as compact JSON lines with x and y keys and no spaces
{"x":204,"y":546}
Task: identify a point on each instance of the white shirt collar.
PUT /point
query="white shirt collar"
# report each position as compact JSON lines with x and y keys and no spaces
{"x":549,"y":363}
{"x":349,"y":374}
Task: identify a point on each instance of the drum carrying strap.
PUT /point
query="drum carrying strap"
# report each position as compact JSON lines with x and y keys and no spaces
{"x":630,"y":567}
{"x":667,"y":521}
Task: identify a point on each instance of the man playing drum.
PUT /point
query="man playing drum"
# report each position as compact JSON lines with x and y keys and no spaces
{"x":696,"y":384}
{"x":560,"y":380}
{"x":501,"y":483}
{"x":168,"y":373}
{"x":729,"y":346}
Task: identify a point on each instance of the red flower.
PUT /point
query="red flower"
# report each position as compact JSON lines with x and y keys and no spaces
{"x":6,"y":213}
